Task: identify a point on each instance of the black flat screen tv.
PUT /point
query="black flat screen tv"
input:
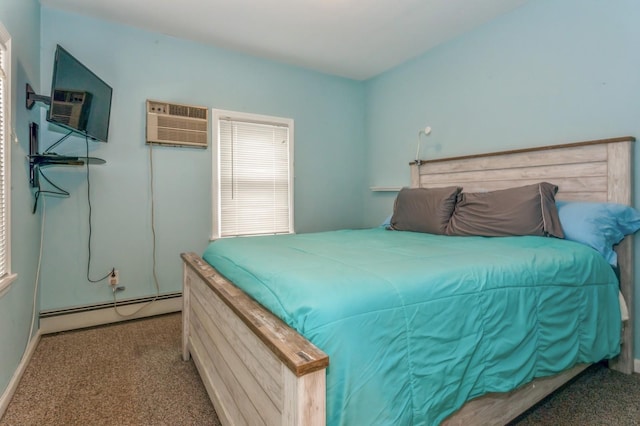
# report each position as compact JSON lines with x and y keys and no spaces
{"x":80,"y":100}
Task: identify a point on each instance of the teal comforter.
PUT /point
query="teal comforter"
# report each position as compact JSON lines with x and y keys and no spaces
{"x":416,"y":324}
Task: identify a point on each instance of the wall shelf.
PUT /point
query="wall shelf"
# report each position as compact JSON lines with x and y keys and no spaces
{"x":43,"y":160}
{"x":38,"y":161}
{"x":385,"y":188}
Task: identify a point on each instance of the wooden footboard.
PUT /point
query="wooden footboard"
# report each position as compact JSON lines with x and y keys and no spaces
{"x":256,"y":369}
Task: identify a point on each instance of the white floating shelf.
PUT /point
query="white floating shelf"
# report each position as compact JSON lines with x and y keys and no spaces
{"x":385,"y":188}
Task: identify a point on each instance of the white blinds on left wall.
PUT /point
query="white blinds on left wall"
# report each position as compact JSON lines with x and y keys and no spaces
{"x":4,"y":126}
{"x":254,"y":178}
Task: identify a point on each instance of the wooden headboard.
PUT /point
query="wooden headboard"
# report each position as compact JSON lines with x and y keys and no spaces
{"x":599,"y":170}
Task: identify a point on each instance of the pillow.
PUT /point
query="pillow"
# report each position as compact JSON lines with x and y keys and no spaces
{"x":424,"y":209}
{"x":598,"y":225}
{"x":525,"y":210}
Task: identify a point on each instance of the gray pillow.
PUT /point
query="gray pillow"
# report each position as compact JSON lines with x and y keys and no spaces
{"x":525,"y":210}
{"x":424,"y":209}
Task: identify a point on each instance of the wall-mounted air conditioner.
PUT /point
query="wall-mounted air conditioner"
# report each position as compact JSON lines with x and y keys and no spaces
{"x":177,"y":125}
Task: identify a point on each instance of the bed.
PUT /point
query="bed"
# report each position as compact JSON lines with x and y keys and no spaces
{"x":259,"y":370}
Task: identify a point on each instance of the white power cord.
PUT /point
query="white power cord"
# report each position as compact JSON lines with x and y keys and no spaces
{"x":153,"y":232}
{"x":35,"y":286}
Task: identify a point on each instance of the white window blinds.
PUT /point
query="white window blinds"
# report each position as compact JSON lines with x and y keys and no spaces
{"x":255,"y":187}
{"x":4,"y":140}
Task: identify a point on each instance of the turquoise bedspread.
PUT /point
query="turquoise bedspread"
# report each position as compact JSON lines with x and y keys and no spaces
{"x":416,"y":324}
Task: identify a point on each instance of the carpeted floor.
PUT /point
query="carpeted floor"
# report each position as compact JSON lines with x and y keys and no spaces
{"x":132,"y":374}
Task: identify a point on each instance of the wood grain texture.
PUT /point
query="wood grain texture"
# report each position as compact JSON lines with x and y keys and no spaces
{"x":620,"y":190}
{"x":300,"y":355}
{"x":245,"y":360}
{"x":625,"y":361}
{"x":500,"y":408}
{"x":586,"y":171}
{"x":186,"y":285}
{"x":305,"y":398}
{"x":550,"y":148}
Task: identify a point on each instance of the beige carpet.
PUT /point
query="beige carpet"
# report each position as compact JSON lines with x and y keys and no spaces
{"x":125,"y":374}
{"x":132,"y":374}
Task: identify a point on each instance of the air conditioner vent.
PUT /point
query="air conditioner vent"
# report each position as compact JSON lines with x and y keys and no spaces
{"x":187,"y":111}
{"x":177,"y":125}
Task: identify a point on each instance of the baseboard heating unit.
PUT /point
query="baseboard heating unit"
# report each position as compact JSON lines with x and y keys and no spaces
{"x":53,"y":321}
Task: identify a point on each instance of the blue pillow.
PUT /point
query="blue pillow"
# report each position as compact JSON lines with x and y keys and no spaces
{"x":598,"y":225}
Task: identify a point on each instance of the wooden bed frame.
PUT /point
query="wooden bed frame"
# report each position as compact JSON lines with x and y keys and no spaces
{"x":257,"y":370}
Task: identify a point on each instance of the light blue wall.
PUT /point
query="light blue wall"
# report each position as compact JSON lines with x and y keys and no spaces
{"x":140,"y":65}
{"x":553,"y":71}
{"x":550,"y":72}
{"x":22,"y":19}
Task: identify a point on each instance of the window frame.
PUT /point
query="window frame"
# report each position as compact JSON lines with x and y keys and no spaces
{"x":5,"y":42}
{"x":219,"y":114}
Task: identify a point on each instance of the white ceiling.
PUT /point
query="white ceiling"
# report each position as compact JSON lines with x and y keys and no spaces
{"x":351,"y":38}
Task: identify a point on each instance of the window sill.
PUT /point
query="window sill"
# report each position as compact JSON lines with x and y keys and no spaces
{"x":5,"y":284}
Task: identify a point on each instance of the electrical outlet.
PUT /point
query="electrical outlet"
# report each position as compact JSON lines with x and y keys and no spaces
{"x":114,"y":278}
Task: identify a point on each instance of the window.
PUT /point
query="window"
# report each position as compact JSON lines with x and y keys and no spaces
{"x":5,"y":125}
{"x":253,"y":176}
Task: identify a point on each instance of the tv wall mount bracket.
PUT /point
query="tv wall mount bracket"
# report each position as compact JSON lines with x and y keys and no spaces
{"x":32,"y":97}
